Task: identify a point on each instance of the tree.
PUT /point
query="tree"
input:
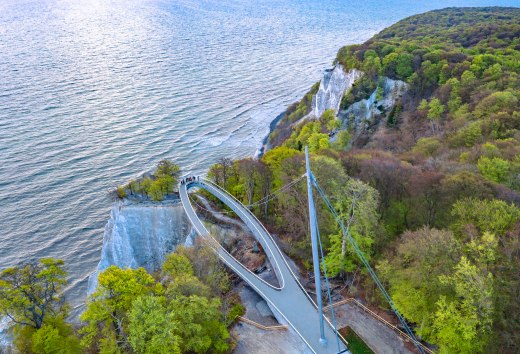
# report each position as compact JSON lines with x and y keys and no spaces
{"x":357,"y":206}
{"x":31,"y":294}
{"x":167,"y":168}
{"x":207,"y":267}
{"x":462,"y":323}
{"x":413,"y":273}
{"x":328,"y":116}
{"x":55,"y":336}
{"x":155,"y":191}
{"x":342,"y":141}
{"x":427,"y":146}
{"x":220,"y":172}
{"x":494,"y":216}
{"x":496,"y":102}
{"x":423,"y":105}
{"x":200,"y":328}
{"x":435,"y":112}
{"x":404,"y":66}
{"x":318,"y":141}
{"x":176,"y":265}
{"x":494,"y":169}
{"x":107,"y":310}
{"x":153,"y":328}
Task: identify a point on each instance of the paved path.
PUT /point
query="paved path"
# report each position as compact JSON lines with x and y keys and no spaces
{"x":290,"y":299}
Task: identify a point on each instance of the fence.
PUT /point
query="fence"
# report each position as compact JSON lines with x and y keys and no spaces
{"x":405,"y":336}
{"x":265,"y":328}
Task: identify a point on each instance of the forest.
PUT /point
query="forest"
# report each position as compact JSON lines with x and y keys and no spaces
{"x":430,"y":190}
{"x":186,"y":306}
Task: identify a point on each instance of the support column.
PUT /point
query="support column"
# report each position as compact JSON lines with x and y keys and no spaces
{"x":314,"y":241}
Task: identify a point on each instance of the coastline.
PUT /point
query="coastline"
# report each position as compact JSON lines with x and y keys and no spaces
{"x":263,"y":149}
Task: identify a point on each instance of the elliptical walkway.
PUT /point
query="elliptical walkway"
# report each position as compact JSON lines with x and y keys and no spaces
{"x":290,"y":300}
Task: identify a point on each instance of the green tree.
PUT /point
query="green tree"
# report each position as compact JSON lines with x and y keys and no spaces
{"x":318,"y":141}
{"x":496,"y":102}
{"x":176,"y":265}
{"x":327,"y":116}
{"x":30,"y":294}
{"x":494,"y":169}
{"x":423,"y":105}
{"x":155,"y":191}
{"x":55,"y":336}
{"x":153,"y":328}
{"x":343,"y":138}
{"x":494,"y":216}
{"x":200,"y":328}
{"x":422,"y":256}
{"x":107,"y":310}
{"x":427,"y":146}
{"x":357,"y":206}
{"x":436,"y":108}
{"x":462,"y":322}
{"x":166,"y":168}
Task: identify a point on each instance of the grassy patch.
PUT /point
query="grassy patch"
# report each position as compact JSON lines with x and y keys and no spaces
{"x":356,"y":345}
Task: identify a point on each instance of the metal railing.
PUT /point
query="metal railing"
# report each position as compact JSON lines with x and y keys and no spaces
{"x":405,"y":336}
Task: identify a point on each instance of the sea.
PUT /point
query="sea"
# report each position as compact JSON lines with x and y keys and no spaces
{"x":95,"y":92}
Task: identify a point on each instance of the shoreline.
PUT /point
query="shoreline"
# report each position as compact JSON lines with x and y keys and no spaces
{"x":272,"y":125}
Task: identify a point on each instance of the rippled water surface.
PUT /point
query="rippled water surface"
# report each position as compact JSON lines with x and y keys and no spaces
{"x":93,"y":92}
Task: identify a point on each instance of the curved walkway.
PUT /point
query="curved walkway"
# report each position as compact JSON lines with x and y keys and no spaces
{"x":290,"y":300}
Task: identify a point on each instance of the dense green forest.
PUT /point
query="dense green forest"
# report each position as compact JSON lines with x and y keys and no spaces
{"x":185,"y":307}
{"x":430,"y":190}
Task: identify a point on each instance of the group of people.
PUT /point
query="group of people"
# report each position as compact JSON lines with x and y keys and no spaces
{"x":189,"y":179}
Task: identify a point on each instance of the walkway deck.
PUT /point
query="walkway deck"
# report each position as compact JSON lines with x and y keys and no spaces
{"x":290,"y":300}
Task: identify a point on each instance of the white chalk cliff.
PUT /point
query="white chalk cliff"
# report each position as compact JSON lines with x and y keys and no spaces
{"x":365,"y":110}
{"x":141,"y":235}
{"x":334,"y":84}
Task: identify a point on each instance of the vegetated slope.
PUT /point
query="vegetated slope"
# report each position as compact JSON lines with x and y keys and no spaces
{"x":430,"y":186}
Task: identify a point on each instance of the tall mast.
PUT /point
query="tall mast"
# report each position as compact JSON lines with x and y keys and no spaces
{"x":314,"y":240}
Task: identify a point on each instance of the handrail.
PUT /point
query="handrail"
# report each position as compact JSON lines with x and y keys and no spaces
{"x":281,"y":280}
{"x":280,"y":252}
{"x":258,"y":325}
{"x":205,"y":184}
{"x":377,"y":317}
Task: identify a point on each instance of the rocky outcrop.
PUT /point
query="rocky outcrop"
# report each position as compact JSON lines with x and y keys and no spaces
{"x":332,"y":88}
{"x":366,"y":110}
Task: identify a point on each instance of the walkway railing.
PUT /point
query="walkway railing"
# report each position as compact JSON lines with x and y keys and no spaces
{"x":405,"y":336}
{"x":265,"y":328}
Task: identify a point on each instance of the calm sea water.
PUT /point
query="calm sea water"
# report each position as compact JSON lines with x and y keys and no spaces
{"x":94,"y":92}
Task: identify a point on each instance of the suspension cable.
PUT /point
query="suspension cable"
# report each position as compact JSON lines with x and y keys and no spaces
{"x":346,"y":233}
{"x":272,"y":195}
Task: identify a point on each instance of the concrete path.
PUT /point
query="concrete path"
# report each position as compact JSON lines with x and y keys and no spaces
{"x":289,"y":301}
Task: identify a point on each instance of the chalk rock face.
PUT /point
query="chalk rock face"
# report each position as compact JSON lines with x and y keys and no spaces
{"x":141,"y":234}
{"x":334,"y":84}
{"x":365,"y":110}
